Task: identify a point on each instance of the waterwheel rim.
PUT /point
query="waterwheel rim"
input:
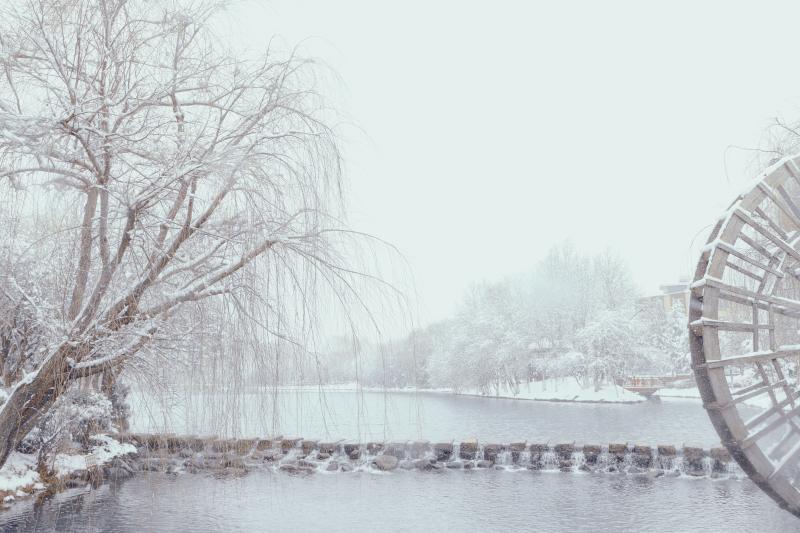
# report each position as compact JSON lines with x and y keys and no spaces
{"x":745,"y":317}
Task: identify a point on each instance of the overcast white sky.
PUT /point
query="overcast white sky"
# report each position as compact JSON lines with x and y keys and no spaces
{"x":493,"y":130}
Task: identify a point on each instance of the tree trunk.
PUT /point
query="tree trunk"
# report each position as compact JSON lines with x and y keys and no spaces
{"x":31,"y":399}
{"x":109,"y":388}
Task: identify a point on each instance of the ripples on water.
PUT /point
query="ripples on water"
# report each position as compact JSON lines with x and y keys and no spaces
{"x":408,"y":501}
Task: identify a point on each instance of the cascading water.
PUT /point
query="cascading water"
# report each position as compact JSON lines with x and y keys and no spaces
{"x":548,"y":460}
{"x":578,"y":461}
{"x":708,"y":466}
{"x":504,"y":458}
{"x":525,"y":459}
{"x":603,"y":460}
{"x":294,"y":456}
{"x":664,"y":462}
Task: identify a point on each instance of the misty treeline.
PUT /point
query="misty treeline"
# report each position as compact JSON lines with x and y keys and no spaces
{"x":168,"y":207}
{"x":575,"y":315}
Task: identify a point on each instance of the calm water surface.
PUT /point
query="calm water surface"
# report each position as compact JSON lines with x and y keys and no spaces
{"x":431,"y":416}
{"x":485,"y":500}
{"x":409,"y":501}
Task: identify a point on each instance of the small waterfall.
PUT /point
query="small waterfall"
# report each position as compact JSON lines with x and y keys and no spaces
{"x":732,"y":469}
{"x":679,"y":465}
{"x":627,"y":460}
{"x":525,"y":458}
{"x":429,"y":454}
{"x":578,"y":461}
{"x":708,"y":466}
{"x":291,"y":454}
{"x":549,"y":460}
{"x":664,"y":462}
{"x":302,"y":457}
{"x":504,"y":458}
{"x":604,"y":459}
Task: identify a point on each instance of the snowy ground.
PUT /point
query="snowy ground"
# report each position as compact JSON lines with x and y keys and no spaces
{"x":566,"y":390}
{"x":19,"y":476}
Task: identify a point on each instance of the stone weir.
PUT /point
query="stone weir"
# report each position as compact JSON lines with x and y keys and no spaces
{"x":298,"y":456}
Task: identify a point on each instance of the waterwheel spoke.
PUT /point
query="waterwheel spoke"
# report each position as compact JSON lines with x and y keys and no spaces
{"x":782,"y":305}
{"x":790,"y":459}
{"x":776,"y":239}
{"x":745,"y":313}
{"x":754,"y":357}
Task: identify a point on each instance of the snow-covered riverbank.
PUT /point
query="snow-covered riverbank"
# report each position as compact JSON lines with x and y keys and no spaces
{"x":20,"y":476}
{"x":567,"y":390}
{"x":551,"y":390}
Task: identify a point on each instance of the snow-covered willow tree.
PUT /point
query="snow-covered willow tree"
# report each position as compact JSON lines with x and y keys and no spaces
{"x":150,"y":179}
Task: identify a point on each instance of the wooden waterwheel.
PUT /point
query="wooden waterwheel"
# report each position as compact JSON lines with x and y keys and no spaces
{"x":745,"y":331}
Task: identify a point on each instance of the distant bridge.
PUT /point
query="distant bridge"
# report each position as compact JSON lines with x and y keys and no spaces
{"x":649,"y":385}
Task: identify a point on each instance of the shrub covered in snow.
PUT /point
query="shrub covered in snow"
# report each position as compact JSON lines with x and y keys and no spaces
{"x":76,"y":417}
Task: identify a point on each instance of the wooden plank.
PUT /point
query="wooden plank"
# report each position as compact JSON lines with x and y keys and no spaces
{"x":722,"y":286}
{"x":764,"y":377}
{"x":789,"y":202}
{"x":766,"y":189}
{"x":761,"y":305}
{"x":773,"y":343}
{"x":768,"y":389}
{"x":792,"y":170}
{"x":755,"y":246}
{"x":769,"y":428}
{"x":744,"y":257}
{"x":755,"y":327}
{"x":776,"y":239}
{"x":751,"y":358}
{"x":761,"y":417}
{"x":784,"y":445}
{"x":730,"y":326}
{"x":771,"y":223}
{"x":789,"y":459}
{"x":787,"y":391}
{"x":744,"y":271}
{"x":749,"y":388}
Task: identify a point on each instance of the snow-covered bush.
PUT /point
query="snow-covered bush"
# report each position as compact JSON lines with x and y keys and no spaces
{"x":76,"y":416}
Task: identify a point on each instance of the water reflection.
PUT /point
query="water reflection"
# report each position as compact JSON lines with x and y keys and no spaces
{"x":407,"y":501}
{"x":401,"y":416}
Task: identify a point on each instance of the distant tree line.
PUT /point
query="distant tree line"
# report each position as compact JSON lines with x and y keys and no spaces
{"x":574,"y":315}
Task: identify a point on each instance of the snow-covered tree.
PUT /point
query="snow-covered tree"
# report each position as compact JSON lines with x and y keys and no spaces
{"x":572,"y":315}
{"x":670,"y":336}
{"x":152,"y":172}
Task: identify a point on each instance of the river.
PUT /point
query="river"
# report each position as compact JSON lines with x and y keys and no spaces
{"x":379,"y":416}
{"x":441,"y":501}
{"x":449,"y":501}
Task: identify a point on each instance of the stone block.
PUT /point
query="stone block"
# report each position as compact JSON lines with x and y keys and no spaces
{"x":491,"y":451}
{"x":443,"y":450}
{"x":309,"y":446}
{"x":374,"y":448}
{"x":468,"y":449}
{"x":591,"y":452}
{"x":564,"y":451}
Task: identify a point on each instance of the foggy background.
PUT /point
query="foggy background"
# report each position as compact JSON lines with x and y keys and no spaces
{"x":479,"y":134}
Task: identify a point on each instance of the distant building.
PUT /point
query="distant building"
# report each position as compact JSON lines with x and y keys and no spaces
{"x":671,"y":294}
